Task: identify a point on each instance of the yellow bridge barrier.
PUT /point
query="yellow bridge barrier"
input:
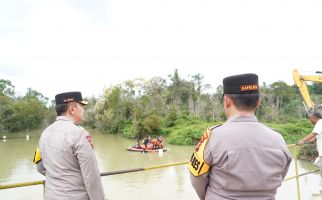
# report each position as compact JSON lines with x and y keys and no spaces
{"x":24,"y":184}
{"x":15,"y":185}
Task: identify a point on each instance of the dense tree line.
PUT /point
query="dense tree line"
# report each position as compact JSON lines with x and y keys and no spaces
{"x":21,"y":113}
{"x":139,"y":107}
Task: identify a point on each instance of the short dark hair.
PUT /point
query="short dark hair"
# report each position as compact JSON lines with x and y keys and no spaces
{"x":317,"y":114}
{"x":245,"y":101}
{"x":61,"y":108}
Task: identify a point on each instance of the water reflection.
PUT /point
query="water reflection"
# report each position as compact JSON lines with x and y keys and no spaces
{"x":308,"y":183}
{"x":167,"y":183}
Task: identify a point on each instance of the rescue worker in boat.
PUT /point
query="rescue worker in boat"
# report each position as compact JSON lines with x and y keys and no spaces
{"x":160,"y":142}
{"x":146,"y":141}
{"x":241,"y":159}
{"x":66,"y":156}
{"x":157,"y":143}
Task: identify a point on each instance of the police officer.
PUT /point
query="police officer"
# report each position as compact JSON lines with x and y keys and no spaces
{"x":66,"y":156}
{"x":241,"y":159}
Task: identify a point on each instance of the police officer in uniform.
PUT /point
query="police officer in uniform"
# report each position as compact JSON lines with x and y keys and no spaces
{"x":66,"y":156}
{"x":241,"y":159}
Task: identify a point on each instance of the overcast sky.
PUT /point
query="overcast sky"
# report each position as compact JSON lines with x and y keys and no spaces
{"x":67,"y":45}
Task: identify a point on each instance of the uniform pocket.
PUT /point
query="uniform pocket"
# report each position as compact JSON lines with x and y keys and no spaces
{"x":255,"y":168}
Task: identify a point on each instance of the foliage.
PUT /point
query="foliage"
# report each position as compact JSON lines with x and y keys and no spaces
{"x":171,"y":117}
{"x":127,"y":131}
{"x":292,"y":131}
{"x":180,"y":109}
{"x":90,"y":113}
{"x":187,"y":131}
{"x":6,"y":88}
{"x":177,"y":108}
{"x":113,"y":110}
{"x":21,"y":113}
{"x":308,"y":152}
{"x":6,"y":112}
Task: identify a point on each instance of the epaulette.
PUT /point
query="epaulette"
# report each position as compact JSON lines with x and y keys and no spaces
{"x":79,"y":126}
{"x":213,"y":127}
{"x":197,"y":164}
{"x":37,"y":156}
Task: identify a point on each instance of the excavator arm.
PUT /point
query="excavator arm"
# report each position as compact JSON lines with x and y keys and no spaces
{"x":299,"y":81}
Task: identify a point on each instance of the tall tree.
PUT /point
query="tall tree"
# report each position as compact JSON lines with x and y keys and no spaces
{"x":6,"y":88}
{"x":113,"y":110}
{"x":175,"y":90}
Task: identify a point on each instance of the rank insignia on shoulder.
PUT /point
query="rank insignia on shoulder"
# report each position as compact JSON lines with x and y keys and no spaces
{"x":197,"y":164}
{"x":90,"y":140}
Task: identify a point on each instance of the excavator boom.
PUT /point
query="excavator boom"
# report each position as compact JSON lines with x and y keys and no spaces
{"x":299,"y":81}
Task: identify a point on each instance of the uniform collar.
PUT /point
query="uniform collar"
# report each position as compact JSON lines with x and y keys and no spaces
{"x":236,"y":118}
{"x":64,"y":118}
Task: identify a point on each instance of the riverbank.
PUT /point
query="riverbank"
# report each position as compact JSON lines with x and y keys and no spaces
{"x":188,"y":132}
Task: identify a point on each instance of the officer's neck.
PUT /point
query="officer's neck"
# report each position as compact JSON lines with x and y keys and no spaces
{"x":232,"y":111}
{"x":71,"y":117}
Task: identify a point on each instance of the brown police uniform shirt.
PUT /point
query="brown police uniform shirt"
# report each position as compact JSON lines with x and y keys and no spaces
{"x":69,"y":162}
{"x":248,"y":162}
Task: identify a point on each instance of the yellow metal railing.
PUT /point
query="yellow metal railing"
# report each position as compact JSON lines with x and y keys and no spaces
{"x":24,"y":184}
{"x":297,"y":175}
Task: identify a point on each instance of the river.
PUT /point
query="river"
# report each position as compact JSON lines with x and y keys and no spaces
{"x":16,"y":155}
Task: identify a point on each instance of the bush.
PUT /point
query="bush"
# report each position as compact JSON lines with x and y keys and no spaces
{"x":187,"y":132}
{"x":293,"y":132}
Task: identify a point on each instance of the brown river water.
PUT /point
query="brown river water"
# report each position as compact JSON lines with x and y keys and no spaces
{"x":171,"y":183}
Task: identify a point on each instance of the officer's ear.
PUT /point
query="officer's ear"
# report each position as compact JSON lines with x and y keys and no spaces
{"x":259,"y":102}
{"x":71,"y":107}
{"x":227,"y":101}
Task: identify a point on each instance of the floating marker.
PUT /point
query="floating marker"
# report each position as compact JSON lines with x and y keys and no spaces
{"x":160,"y":152}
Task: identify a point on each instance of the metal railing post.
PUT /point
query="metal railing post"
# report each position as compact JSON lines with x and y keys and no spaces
{"x":297,"y":175}
{"x":43,"y":189}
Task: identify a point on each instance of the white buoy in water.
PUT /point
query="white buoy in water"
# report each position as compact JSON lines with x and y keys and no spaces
{"x":160,"y":152}
{"x":317,"y":161}
{"x":4,"y":137}
{"x":27,"y":137}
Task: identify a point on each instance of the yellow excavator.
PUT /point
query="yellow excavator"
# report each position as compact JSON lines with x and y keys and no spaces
{"x":300,"y":82}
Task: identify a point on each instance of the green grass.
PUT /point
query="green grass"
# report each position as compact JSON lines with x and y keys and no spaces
{"x":189,"y":131}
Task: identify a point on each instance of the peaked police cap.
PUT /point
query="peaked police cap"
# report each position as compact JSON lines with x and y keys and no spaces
{"x":241,"y":84}
{"x":69,"y":97}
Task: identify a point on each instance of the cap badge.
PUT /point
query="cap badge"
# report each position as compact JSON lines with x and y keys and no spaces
{"x":68,"y":100}
{"x":250,"y":87}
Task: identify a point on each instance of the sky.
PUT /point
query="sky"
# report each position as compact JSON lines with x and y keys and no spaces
{"x":80,"y":45}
